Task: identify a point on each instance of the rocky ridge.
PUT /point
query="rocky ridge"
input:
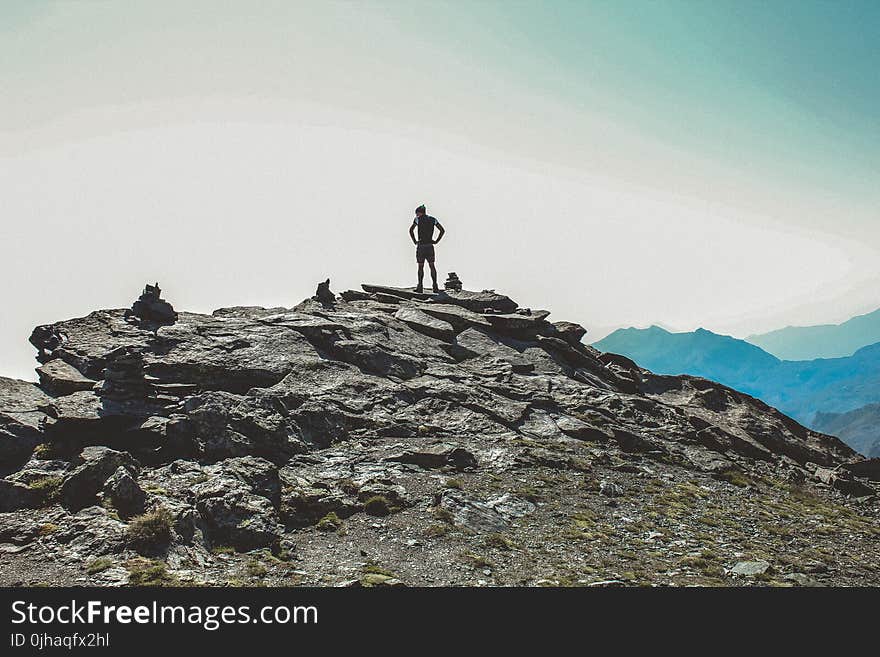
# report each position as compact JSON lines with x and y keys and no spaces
{"x":382,"y":436}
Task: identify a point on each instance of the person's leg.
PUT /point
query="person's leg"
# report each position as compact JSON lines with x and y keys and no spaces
{"x":433,"y":275}
{"x":421,"y":275}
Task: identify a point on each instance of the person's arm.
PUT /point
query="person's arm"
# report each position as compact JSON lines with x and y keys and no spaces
{"x":412,"y":234}
{"x":440,"y":234}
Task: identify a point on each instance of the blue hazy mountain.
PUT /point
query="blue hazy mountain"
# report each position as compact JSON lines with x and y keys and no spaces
{"x":800,"y":389}
{"x":730,"y":361}
{"x":823,"y":341}
{"x":860,"y":429}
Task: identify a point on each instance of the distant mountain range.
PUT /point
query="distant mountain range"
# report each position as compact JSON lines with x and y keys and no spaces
{"x":807,"y":390}
{"x":858,"y":428}
{"x":824,"y":341}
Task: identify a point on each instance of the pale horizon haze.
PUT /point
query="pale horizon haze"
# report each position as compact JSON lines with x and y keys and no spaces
{"x":689,"y":164}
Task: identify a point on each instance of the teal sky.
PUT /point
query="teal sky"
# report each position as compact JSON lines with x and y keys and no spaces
{"x":684,"y":163}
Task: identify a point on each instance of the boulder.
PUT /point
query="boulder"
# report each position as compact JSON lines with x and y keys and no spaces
{"x":750,"y":568}
{"x":60,"y":378}
{"x":15,"y":496}
{"x":570,"y":332}
{"x":96,"y":464}
{"x":239,"y":519}
{"x":437,"y":456}
{"x":124,"y":493}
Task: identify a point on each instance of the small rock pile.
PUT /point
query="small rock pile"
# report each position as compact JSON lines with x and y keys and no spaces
{"x":452,"y":282}
{"x":150,"y":307}
{"x":124,"y":378}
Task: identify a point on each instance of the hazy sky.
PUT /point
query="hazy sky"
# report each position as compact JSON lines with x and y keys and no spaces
{"x":692,"y":164}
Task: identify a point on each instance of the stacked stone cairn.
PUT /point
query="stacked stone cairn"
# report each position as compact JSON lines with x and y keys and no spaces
{"x":452,"y":282}
{"x":124,"y":378}
{"x":150,"y":307}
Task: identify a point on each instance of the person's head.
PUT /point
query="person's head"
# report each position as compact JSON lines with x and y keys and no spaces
{"x":420,"y":211}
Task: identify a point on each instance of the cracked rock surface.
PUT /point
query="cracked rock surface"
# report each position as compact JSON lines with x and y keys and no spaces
{"x":387,"y":437}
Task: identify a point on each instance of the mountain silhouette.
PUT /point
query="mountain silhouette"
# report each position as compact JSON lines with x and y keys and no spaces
{"x":823,"y":341}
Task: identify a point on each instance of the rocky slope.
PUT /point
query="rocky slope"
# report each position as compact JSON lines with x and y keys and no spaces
{"x":388,"y":437}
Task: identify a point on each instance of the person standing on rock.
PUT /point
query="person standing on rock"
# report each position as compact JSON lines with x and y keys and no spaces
{"x":423,"y":225}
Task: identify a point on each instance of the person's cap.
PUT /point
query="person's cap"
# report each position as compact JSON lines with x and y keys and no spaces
{"x":421,"y":208}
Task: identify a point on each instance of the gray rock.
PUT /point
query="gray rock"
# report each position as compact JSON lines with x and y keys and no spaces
{"x":472,"y":514}
{"x":15,"y":496}
{"x":570,"y":332}
{"x":437,"y":456}
{"x":750,"y":568}
{"x":239,"y":519}
{"x":425,"y":323}
{"x":610,"y":489}
{"x":21,"y":418}
{"x":96,"y":464}
{"x":124,"y":493}
{"x":60,"y":378}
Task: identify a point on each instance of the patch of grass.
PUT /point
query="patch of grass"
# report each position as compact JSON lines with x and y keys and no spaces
{"x":150,"y":530}
{"x":329,"y":523}
{"x":155,"y":489}
{"x":223,"y":549}
{"x":98,"y":565}
{"x":477,"y":561}
{"x":444,"y":515}
{"x":499,"y":542}
{"x":46,"y":451}
{"x":373,"y":568}
{"x":145,"y":572}
{"x":349,"y":486}
{"x":529,"y":493}
{"x":436,"y":531}
{"x":735,"y":477}
{"x":256,"y":569}
{"x":378,"y":505}
{"x":454,"y":483}
{"x":48,"y":528}
{"x":48,"y":487}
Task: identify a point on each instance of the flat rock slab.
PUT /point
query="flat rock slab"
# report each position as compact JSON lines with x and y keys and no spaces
{"x":400,"y":292}
{"x":62,"y":378}
{"x":479,"y":302}
{"x":437,"y":456}
{"x":424,"y":323}
{"x":750,"y":568}
{"x":460,"y":318}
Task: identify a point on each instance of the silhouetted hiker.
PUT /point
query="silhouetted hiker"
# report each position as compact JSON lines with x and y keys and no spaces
{"x":425,"y":243}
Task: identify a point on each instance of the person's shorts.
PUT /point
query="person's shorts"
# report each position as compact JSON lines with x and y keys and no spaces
{"x":424,"y":252}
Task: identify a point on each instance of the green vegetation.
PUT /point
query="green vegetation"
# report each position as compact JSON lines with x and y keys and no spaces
{"x":736,"y":477}
{"x":47,"y":486}
{"x":373,"y":568}
{"x":98,"y":565}
{"x":146,"y":572}
{"x":499,"y":542}
{"x":48,"y":528}
{"x":477,"y":561}
{"x":436,"y":531}
{"x":150,"y":530}
{"x":329,"y":523}
{"x":256,"y":569}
